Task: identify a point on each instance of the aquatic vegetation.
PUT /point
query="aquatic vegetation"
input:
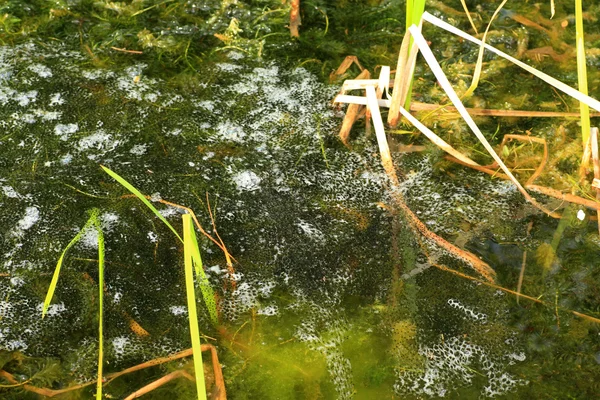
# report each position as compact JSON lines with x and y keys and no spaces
{"x":323,"y":289}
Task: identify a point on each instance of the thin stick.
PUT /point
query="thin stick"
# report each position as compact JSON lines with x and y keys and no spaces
{"x":535,"y":300}
{"x":557,"y":194}
{"x":522,"y":273}
{"x":227,"y":257}
{"x":159,"y":382}
{"x":127,"y":51}
{"x":110,"y":377}
{"x":435,"y":138}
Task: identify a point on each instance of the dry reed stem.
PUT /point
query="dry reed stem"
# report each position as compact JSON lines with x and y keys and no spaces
{"x":218,"y":372}
{"x":159,"y":382}
{"x":127,"y":51}
{"x":570,"y":198}
{"x":295,"y":21}
{"x":595,"y":184}
{"x":451,"y":93}
{"x":394,"y":109}
{"x":351,"y":113}
{"x":401,"y":80}
{"x":417,"y":106}
{"x":386,"y":160}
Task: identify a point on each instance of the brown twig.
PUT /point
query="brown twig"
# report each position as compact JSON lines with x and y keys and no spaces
{"x":295,"y":21}
{"x":127,"y":51}
{"x":159,"y":382}
{"x":227,"y":256}
{"x":352,"y":113}
{"x":194,"y":218}
{"x":493,"y":285}
{"x":219,"y":381}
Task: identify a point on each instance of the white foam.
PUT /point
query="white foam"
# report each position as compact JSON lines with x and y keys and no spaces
{"x":246,"y":181}
{"x":42,"y":70}
{"x":64,"y":131}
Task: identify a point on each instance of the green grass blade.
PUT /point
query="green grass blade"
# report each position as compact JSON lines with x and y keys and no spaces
{"x":140,"y":196}
{"x":54,"y":281}
{"x":100,"y":305}
{"x":207,"y":292}
{"x":582,"y":82}
{"x":414,"y":12}
{"x":188,"y":251}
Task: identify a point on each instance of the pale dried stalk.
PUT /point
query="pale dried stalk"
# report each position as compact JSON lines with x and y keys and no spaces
{"x":417,"y":106}
{"x":404,"y":71}
{"x":399,"y":81}
{"x":436,"y":139}
{"x":595,"y":104}
{"x":443,"y":80}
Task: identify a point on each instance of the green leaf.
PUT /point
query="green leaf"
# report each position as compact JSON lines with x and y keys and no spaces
{"x":207,"y":292}
{"x":140,"y":196}
{"x":54,"y":281}
{"x":189,"y":247}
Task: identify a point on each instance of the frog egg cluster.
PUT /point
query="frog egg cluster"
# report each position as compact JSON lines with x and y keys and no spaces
{"x":469,"y":313}
{"x":454,"y":362}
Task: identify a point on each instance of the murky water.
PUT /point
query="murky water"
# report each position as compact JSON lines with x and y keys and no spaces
{"x":333,"y":295}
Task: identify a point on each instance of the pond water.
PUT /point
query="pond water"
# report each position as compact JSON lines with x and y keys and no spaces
{"x":333,"y":295}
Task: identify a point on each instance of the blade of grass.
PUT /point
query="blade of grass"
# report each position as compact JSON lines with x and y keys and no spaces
{"x":100,"y":306}
{"x":469,"y":15}
{"x":479,"y":64}
{"x":140,"y":196}
{"x":413,"y":17}
{"x":582,"y":83}
{"x":207,"y":292}
{"x":54,"y":281}
{"x":188,"y":250}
